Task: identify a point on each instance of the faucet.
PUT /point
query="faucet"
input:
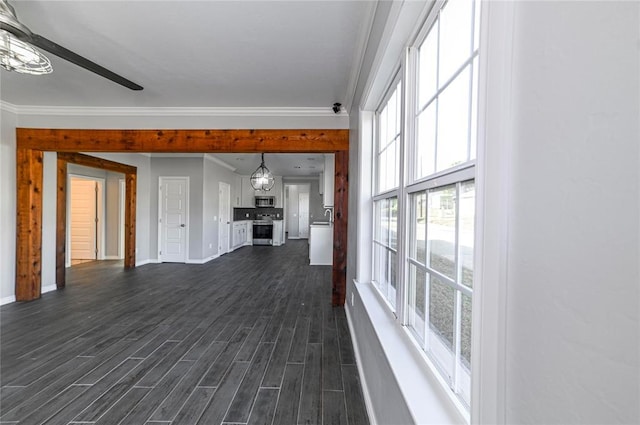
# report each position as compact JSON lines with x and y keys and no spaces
{"x":330,"y":211}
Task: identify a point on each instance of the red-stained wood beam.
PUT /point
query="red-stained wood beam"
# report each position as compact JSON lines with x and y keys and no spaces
{"x":340,"y":211}
{"x":194,"y":141}
{"x":61,"y":222}
{"x":29,"y":223}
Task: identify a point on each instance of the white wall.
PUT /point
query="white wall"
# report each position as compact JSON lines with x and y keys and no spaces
{"x":213,"y":175}
{"x":8,"y":122}
{"x":572,"y":298}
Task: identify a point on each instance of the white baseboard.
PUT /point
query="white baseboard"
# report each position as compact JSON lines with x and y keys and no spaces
{"x":293,"y":237}
{"x":112,"y":257}
{"x":365,"y":389}
{"x":8,"y":300}
{"x":149,"y":261}
{"x":48,"y":288}
{"x":202,"y":261}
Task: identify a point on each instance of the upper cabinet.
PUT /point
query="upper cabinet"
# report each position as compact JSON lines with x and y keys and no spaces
{"x":329,"y":174}
{"x":247,"y":193}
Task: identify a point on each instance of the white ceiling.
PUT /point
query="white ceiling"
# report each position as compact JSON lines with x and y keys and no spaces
{"x":280,"y":54}
{"x":288,"y":165}
{"x":281,"y":164}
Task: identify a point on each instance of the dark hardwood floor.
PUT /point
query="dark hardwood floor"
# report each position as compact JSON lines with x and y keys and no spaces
{"x":249,"y":338}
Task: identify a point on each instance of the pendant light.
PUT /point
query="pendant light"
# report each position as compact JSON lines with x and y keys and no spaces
{"x":16,"y":53}
{"x":262,"y":179}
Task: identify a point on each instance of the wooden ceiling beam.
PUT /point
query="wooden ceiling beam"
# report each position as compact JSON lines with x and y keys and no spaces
{"x":184,"y":141}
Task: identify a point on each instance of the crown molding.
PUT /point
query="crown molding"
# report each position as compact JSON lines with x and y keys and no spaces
{"x":359,"y":54}
{"x":166,"y":111}
{"x":9,"y":107}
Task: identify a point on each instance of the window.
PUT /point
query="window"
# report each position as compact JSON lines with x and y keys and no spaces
{"x":446,"y":112}
{"x":387,"y":175}
{"x":423,"y":244}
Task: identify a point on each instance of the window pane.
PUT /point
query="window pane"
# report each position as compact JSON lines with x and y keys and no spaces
{"x":380,"y":267}
{"x":441,"y":230}
{"x":393,"y":223}
{"x":453,"y":123}
{"x":417,"y":298}
{"x":441,"y":310}
{"x":466,"y":222}
{"x":393,"y":286}
{"x":384,"y":222}
{"x":455,"y":37}
{"x":465,"y":337}
{"x":428,"y":67}
{"x":418,"y":232}
{"x":391,"y":116}
{"x":426,"y":141}
{"x":377,"y":207}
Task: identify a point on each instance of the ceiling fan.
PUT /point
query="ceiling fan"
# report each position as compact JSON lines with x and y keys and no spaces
{"x":17,"y":52}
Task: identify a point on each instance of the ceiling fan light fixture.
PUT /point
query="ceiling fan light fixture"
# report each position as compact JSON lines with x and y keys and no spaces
{"x":262,"y":179}
{"x":18,"y":56}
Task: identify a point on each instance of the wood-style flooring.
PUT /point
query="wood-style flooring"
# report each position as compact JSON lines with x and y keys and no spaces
{"x":249,"y":338}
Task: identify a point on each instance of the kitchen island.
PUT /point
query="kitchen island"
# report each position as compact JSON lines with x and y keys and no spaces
{"x":321,"y":243}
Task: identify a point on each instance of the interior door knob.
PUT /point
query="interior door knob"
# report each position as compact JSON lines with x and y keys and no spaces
{"x":182,"y":225}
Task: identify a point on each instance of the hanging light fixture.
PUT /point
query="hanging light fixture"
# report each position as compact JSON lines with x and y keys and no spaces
{"x":16,"y":54}
{"x":262,"y":179}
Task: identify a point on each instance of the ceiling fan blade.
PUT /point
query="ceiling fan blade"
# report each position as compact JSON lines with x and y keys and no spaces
{"x":64,"y":53}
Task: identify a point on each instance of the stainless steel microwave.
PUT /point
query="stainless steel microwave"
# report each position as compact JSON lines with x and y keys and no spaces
{"x":265,"y":201}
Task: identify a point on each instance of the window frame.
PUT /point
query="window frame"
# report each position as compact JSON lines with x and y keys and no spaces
{"x":410,"y":184}
{"x":396,"y":86}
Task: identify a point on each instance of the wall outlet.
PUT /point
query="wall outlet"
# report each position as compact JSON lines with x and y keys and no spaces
{"x":210,"y":245}
{"x":352,"y":299}
{"x":277,"y":215}
{"x":247,"y":215}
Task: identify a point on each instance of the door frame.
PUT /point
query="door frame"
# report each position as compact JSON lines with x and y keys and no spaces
{"x":229,"y":236}
{"x":101,"y":231}
{"x":31,"y":143}
{"x":186,"y":238}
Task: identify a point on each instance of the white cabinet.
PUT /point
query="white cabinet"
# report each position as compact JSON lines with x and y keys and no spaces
{"x":247,"y":193}
{"x":328,"y":173}
{"x":242,"y":233}
{"x":320,"y":245}
{"x":278,"y":234}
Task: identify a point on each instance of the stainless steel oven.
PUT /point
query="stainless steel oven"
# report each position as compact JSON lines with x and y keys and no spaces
{"x":263,"y":230}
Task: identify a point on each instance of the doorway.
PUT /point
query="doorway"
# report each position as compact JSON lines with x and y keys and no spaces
{"x":297,"y":210}
{"x":173,"y":226}
{"x":224,"y":194}
{"x":86,"y":219}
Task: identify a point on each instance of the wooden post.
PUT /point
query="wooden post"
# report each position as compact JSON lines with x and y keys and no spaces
{"x":29,"y":168}
{"x":61,"y":223}
{"x":340,"y":211}
{"x":130,"y":221}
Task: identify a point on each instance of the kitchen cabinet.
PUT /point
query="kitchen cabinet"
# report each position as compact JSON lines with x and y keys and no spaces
{"x":247,"y":193}
{"x":278,"y":234}
{"x":328,"y":173}
{"x":242,"y":233}
{"x":321,"y":244}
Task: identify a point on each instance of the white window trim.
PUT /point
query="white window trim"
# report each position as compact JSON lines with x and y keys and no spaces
{"x":488,"y":391}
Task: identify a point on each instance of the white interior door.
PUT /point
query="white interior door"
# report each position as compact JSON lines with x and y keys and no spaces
{"x":303,"y":215}
{"x":174,"y":206}
{"x":84,"y":219}
{"x":224,"y":218}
